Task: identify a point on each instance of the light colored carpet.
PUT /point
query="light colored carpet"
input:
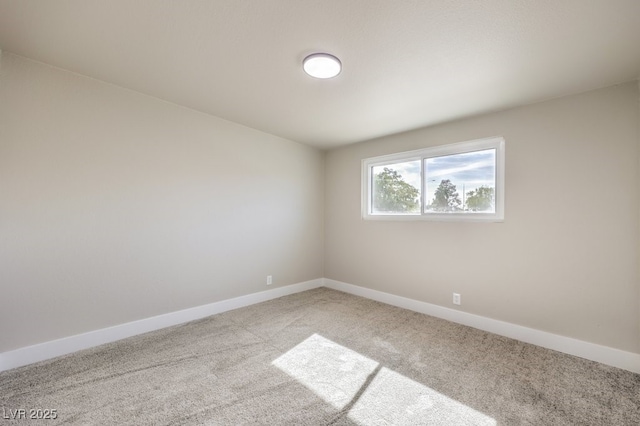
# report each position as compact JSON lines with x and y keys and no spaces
{"x":322,"y":357}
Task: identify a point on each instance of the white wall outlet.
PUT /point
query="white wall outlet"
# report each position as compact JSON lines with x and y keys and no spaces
{"x":456,"y":299}
{"x":269,"y":280}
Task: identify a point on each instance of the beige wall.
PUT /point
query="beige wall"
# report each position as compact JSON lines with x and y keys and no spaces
{"x":565,"y":258}
{"x":115,"y":206}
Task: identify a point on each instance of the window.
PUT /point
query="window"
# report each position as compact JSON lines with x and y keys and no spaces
{"x":462,"y":181}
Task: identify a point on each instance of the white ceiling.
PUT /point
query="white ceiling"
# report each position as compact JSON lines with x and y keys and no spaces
{"x":407,"y":64}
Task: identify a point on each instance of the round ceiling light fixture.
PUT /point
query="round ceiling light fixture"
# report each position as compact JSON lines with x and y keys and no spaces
{"x":322,"y":65}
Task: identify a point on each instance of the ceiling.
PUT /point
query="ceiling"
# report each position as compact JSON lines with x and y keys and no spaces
{"x":407,"y":63}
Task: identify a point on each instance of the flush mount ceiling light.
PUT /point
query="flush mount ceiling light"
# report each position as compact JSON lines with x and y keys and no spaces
{"x":322,"y":65}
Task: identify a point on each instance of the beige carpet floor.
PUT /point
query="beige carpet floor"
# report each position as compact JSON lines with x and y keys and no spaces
{"x":321,"y":357}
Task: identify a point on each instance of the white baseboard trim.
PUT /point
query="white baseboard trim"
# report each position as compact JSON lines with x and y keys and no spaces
{"x":54,"y":348}
{"x":47,"y":350}
{"x":603,"y":354}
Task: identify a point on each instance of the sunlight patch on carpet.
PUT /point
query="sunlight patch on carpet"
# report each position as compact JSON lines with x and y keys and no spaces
{"x":369,"y":393}
{"x":332,"y":371}
{"x":392,"y":398}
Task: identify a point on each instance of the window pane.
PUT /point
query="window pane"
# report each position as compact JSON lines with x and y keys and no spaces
{"x":461,"y":183}
{"x":396,"y":188}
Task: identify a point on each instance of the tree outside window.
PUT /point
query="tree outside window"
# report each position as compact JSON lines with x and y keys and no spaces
{"x":392,"y":194}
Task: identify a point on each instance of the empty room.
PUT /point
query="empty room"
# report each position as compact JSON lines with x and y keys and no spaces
{"x":320,"y":212}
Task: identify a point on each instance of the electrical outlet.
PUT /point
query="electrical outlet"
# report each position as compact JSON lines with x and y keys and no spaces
{"x":456,"y":299}
{"x":269,"y":280}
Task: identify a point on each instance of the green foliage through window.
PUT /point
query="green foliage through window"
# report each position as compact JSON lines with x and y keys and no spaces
{"x":392,"y":194}
{"x":446,"y":198}
{"x":481,"y":199}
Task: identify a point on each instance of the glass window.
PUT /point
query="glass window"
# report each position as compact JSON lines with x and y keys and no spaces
{"x":463,"y":181}
{"x":396,"y":188}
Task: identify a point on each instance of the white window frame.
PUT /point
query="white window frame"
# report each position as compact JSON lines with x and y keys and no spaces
{"x":496,"y":143}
